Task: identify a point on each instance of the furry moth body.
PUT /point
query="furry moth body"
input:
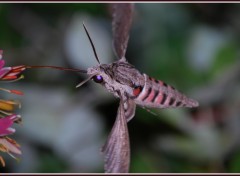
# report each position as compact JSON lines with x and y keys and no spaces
{"x":122,"y":78}
{"x":133,"y":88}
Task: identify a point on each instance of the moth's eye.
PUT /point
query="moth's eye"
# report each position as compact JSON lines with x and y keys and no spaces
{"x":98,"y":78}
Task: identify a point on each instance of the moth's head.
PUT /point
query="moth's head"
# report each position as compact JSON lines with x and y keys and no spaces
{"x":97,"y":73}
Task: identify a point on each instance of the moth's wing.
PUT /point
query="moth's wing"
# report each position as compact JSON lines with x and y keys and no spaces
{"x":122,"y":14}
{"x":129,"y":109}
{"x":117,"y":148}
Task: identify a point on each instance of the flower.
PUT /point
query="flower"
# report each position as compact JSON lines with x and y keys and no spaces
{"x":10,"y":73}
{"x":7,"y":108}
{"x":9,"y":146}
{"x":5,"y":124}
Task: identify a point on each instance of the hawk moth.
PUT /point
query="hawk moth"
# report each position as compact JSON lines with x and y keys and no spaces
{"x":128,"y":84}
{"x":133,"y":88}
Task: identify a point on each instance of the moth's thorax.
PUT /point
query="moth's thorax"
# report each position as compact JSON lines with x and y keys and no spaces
{"x":96,"y":69}
{"x":118,"y":77}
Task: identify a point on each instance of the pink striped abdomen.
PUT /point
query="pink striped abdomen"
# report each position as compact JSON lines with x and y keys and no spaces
{"x":157,"y":94}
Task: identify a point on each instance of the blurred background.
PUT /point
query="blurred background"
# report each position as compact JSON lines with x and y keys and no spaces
{"x":194,"y":47}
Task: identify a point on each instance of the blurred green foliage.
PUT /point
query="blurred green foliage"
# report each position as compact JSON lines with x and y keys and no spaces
{"x":158,"y":45}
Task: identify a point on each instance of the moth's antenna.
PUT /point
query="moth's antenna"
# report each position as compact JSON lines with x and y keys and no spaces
{"x":93,"y":47}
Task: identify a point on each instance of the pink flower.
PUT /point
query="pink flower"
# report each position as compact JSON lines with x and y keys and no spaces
{"x":7,"y":107}
{"x":10,"y":73}
{"x":6,"y":123}
{"x":9,"y":146}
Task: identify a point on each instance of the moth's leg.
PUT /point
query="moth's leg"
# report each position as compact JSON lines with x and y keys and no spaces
{"x":129,"y":107}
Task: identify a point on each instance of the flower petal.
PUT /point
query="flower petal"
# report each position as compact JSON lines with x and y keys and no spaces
{"x":18,"y":92}
{"x":2,"y":63}
{"x":11,"y":145}
{"x":5,"y":124}
{"x":19,"y":68}
{"x":4,"y":71}
{"x":6,"y":106}
{"x":1,"y":53}
{"x":2,"y":161}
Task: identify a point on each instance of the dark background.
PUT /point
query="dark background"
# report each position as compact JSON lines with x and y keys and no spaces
{"x":193,"y":47}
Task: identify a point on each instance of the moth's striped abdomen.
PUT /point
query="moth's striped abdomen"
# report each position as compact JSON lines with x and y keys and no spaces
{"x":157,"y":94}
